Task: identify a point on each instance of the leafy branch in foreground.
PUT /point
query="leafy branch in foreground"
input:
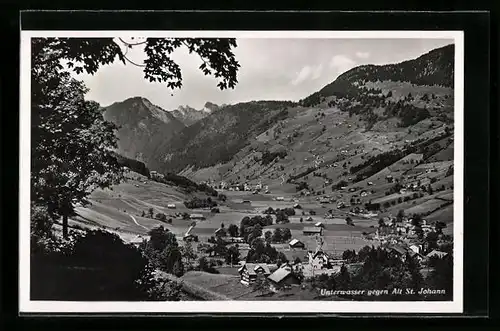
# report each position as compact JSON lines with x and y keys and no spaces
{"x":71,"y":143}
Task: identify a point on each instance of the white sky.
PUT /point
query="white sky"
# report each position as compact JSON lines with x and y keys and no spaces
{"x":271,"y":69}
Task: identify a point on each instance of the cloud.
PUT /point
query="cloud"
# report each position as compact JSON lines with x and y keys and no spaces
{"x":363,"y":55}
{"x":341,"y":63}
{"x":317,"y":71}
{"x":308,"y":73}
{"x":302,"y":76}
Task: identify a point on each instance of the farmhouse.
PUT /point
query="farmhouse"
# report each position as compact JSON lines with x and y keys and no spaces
{"x":196,"y":217}
{"x":416,"y":256}
{"x":220,"y":232}
{"x":311,"y":231}
{"x":249,"y":272}
{"x":318,"y":260}
{"x":280,"y":198}
{"x":437,"y":253}
{"x":233,"y":240}
{"x":295,"y":243}
{"x":282,"y":278}
{"x":319,"y":224}
{"x":137,"y":241}
{"x":190,"y":237}
{"x":171,"y":206}
{"x":398,"y":250}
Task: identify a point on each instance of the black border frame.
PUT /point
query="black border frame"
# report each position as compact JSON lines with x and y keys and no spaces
{"x":476,"y":28}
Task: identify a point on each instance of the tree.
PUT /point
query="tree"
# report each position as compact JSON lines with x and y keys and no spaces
{"x":150,"y":212}
{"x":256,"y":232}
{"x":400,"y":216}
{"x":349,"y":255}
{"x":71,"y":143}
{"x":143,"y":214}
{"x":163,"y":251}
{"x":431,"y":240}
{"x":261,"y":284}
{"x":268,"y":236}
{"x":286,"y":234}
{"x":440,"y":226}
{"x":161,"y":216}
{"x":188,"y":253}
{"x":349,"y":221}
{"x":344,"y":278}
{"x":277,"y":237}
{"x":429,"y":189}
{"x":441,"y":277}
{"x":232,"y":255}
{"x":233,"y":230}
{"x":381,"y":223}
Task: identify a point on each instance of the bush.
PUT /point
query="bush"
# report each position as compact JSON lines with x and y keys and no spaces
{"x":200,"y":203}
{"x":110,"y":269}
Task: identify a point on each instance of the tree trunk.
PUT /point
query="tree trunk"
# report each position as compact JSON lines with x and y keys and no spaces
{"x":66,"y":209}
{"x":65,"y":226}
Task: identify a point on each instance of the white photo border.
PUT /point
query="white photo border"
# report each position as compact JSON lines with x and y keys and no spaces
{"x":428,"y":307}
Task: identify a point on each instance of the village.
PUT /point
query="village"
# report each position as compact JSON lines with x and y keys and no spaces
{"x":311,"y":249}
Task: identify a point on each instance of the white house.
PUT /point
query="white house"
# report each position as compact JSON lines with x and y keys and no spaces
{"x":171,"y":206}
{"x":416,"y":248}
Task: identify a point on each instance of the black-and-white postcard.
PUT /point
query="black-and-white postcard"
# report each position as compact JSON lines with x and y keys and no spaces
{"x":268,"y":171}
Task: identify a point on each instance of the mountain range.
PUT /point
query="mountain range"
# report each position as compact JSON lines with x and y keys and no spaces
{"x":188,"y":115}
{"x":367,"y":111}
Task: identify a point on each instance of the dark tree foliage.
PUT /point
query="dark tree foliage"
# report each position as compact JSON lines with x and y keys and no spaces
{"x":301,"y":186}
{"x":268,"y":157}
{"x":301,"y":174}
{"x":233,"y":230}
{"x":232,"y":255}
{"x":260,"y":252}
{"x":200,"y":203}
{"x":382,"y":270}
{"x":281,"y":235}
{"x":441,"y":277}
{"x":163,"y":251}
{"x":70,"y":141}
{"x":134,"y":165}
{"x":248,"y":226}
{"x":189,"y":185}
{"x":96,"y":266}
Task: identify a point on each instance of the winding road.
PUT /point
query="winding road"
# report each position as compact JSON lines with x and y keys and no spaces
{"x":135,"y":221}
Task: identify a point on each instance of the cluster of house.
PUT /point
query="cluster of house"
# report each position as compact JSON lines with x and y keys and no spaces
{"x":415,"y":251}
{"x":156,"y":175}
{"x":279,"y":278}
{"x":237,"y":187}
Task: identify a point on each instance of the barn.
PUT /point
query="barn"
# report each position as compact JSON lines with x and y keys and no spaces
{"x":282,"y":278}
{"x":249,"y":272}
{"x":313,"y":231}
{"x":295,"y":243}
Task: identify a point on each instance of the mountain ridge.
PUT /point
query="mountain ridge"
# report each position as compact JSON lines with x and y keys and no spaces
{"x":139,"y":120}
